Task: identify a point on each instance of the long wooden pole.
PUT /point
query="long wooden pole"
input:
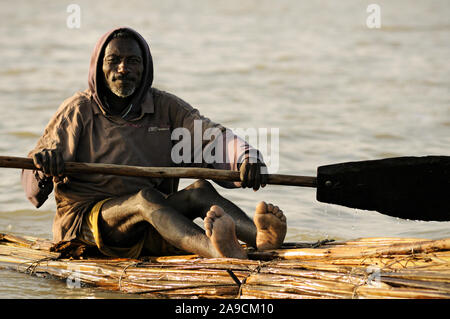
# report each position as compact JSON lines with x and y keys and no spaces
{"x":405,"y":187}
{"x":161,"y":172}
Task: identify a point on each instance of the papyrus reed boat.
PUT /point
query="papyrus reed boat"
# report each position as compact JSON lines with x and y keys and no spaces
{"x":362,"y":268}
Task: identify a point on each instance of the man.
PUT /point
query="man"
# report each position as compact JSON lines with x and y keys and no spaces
{"x":122,"y":119}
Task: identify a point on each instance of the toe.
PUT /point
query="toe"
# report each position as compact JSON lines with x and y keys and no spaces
{"x":217,"y":210}
{"x":210,"y":214}
{"x":261,"y":207}
{"x":208,"y":222}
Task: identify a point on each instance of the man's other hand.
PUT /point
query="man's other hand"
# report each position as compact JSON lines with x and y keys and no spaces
{"x":253,"y":174}
{"x":50,"y":162}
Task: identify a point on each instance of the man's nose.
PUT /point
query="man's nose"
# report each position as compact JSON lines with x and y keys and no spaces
{"x":122,"y":67}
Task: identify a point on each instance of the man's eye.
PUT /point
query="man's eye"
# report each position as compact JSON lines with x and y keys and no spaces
{"x":133,"y":60}
{"x":112,"y":60}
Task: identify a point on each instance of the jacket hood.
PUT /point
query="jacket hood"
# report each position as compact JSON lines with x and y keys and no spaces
{"x":96,"y":77}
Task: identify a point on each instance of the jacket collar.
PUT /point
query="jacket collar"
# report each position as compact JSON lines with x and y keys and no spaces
{"x":147,"y":106}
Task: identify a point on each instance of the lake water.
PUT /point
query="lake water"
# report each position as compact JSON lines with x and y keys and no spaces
{"x":336,"y":89}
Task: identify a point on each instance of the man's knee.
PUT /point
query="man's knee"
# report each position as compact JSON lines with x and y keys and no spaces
{"x":200,"y":192}
{"x":202,"y":185}
{"x":149,"y":197}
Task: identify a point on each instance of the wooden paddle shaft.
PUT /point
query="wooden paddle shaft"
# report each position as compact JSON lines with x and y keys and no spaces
{"x":160,"y":172}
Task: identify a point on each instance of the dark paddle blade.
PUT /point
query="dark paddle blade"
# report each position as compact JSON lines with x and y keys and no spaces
{"x":407,"y":187}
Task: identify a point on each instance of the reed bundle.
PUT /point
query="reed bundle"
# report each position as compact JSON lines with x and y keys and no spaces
{"x":363,"y":268}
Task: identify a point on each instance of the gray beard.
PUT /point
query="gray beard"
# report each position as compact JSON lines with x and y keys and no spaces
{"x":124,"y":92}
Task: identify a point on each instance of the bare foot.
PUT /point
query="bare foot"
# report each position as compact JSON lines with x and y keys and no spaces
{"x":271,"y":226}
{"x":220,"y":229}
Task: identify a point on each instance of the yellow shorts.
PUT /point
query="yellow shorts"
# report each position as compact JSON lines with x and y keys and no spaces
{"x":152,"y":241}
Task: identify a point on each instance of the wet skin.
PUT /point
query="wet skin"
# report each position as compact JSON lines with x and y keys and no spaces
{"x":124,"y":221}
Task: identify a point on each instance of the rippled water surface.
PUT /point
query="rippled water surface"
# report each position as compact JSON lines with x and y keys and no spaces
{"x":336,"y":90}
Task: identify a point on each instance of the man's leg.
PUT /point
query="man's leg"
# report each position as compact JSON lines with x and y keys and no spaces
{"x":266,"y":231}
{"x":197,"y":199}
{"x":123,"y":222}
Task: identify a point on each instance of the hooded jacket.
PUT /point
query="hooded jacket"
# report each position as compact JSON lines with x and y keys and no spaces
{"x":84,"y":130}
{"x":95,"y":77}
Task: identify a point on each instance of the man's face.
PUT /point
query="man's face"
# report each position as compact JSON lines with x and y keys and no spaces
{"x":123,"y":66}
